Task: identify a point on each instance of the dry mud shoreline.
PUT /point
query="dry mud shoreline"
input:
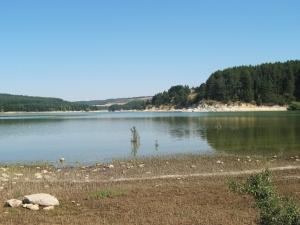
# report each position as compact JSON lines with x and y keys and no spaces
{"x":180,"y":190}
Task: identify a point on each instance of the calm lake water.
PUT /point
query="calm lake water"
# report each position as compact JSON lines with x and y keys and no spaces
{"x":91,"y":137}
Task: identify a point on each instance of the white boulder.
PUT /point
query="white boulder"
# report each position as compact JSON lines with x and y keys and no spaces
{"x":41,"y":199}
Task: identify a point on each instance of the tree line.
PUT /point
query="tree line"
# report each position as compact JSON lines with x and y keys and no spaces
{"x":269,"y":83}
{"x":17,"y":103}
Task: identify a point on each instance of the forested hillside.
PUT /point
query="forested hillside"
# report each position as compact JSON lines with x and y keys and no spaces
{"x":269,"y":83}
{"x":36,"y":104}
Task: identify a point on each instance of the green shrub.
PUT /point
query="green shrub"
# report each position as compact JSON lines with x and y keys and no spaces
{"x":274,"y":210}
{"x":106,"y":193}
{"x":294,"y":106}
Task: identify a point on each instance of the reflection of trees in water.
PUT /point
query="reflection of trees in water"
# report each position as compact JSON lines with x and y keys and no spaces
{"x":179,"y":127}
{"x":238,"y":134}
{"x":253,"y":134}
{"x":12,"y":127}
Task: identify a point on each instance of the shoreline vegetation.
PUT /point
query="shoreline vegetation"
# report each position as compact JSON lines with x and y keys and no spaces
{"x":188,"y":189}
{"x":265,"y":87}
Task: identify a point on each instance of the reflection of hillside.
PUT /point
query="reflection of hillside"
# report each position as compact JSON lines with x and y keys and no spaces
{"x":239,"y":134}
{"x":13,"y":127}
{"x":180,"y":127}
{"x":252,"y":134}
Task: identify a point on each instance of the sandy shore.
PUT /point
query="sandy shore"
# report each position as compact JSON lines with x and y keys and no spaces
{"x":182,"y":190}
{"x":220,"y":107}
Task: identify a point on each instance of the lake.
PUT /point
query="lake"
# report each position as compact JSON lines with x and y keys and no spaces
{"x":103,"y":136}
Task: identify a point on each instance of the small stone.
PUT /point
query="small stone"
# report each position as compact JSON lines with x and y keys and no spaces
{"x":238,"y":159}
{"x":14,"y":203}
{"x":142,"y":165}
{"x":111,"y":166}
{"x":38,"y":175}
{"x":62,"y":160}
{"x":19,"y":174}
{"x":49,"y":207}
{"x":44,"y":171}
{"x":193,"y":166}
{"x":33,"y":207}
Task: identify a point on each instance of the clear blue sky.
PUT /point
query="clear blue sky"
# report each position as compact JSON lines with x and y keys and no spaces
{"x":80,"y":50}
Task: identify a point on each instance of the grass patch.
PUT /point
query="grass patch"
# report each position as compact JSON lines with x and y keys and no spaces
{"x":108,"y":193}
{"x":274,"y":209}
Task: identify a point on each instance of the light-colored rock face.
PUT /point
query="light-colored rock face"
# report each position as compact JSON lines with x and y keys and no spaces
{"x":14,"y":203}
{"x":41,"y":199}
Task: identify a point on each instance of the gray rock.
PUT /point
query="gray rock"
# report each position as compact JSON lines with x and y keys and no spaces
{"x":41,"y":199}
{"x":14,"y":203}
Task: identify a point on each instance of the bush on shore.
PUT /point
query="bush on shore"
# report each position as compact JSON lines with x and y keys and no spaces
{"x":294,"y":106}
{"x":274,"y":210}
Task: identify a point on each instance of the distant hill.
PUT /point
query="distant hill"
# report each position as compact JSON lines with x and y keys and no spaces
{"x":114,"y":101}
{"x":21,"y":103}
{"x":268,"y":84}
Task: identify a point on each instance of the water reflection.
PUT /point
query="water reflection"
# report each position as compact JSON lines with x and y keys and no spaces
{"x":90,"y":137}
{"x":248,"y":133}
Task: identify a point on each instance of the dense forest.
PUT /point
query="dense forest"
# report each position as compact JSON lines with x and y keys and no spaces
{"x":15,"y":103}
{"x":269,"y":83}
{"x":136,"y":105}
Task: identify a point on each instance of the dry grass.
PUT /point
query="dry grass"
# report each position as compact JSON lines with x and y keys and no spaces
{"x":89,"y":201}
